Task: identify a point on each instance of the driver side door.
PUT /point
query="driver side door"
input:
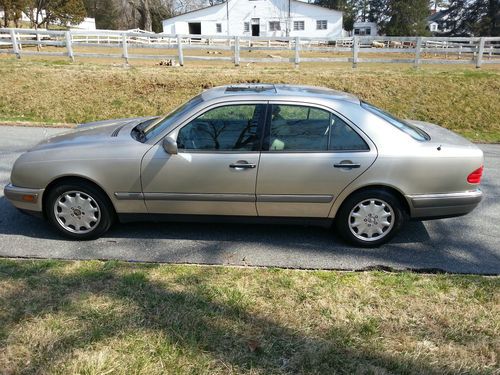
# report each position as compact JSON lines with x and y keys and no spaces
{"x":215,"y":169}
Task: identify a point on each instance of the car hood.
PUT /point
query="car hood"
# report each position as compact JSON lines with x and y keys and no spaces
{"x":92,"y":132}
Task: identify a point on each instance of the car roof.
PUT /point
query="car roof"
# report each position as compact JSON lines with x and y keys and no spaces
{"x":276,"y":91}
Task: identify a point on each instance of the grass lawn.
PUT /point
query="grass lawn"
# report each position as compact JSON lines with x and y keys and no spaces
{"x":45,"y":90}
{"x":96,"y":317}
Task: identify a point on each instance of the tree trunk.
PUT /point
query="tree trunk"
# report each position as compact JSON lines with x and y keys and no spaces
{"x":493,"y":13}
{"x":148,"y":26}
{"x":5,"y":18}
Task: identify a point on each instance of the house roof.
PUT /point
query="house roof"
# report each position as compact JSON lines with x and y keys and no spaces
{"x":315,"y":6}
{"x":196,"y":10}
{"x":437,"y":16}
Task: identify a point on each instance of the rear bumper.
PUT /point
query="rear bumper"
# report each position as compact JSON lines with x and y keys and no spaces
{"x":427,"y":206}
{"x":18,"y":196}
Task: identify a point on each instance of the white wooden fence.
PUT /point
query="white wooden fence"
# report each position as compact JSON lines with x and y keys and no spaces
{"x":411,"y":50}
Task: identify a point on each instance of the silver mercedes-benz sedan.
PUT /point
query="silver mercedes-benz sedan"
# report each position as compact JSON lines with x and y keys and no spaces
{"x":253,"y":153}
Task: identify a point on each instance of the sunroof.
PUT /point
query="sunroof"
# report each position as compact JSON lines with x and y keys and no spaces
{"x":250,"y":88}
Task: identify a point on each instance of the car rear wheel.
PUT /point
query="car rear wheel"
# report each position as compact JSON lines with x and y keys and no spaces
{"x":79,"y":210}
{"x":370,"y":218}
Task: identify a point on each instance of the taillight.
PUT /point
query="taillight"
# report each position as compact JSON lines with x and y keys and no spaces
{"x":475,"y":177}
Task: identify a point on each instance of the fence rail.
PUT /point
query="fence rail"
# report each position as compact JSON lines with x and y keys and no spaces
{"x":408,"y":50}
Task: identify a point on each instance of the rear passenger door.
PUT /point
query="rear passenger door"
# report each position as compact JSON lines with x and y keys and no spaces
{"x":309,"y":155}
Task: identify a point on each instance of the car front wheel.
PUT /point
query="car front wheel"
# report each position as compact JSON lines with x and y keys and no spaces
{"x":370,"y":218}
{"x":79,"y":211}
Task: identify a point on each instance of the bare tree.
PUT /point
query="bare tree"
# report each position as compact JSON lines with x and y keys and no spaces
{"x":189,"y":5}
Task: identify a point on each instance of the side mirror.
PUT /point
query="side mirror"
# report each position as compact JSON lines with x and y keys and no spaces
{"x":170,"y":146}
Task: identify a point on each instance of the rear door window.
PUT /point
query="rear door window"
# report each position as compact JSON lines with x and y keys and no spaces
{"x":295,"y":128}
{"x":298,"y":128}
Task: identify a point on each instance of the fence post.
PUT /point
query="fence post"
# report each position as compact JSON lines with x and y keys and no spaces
{"x":355,"y":50}
{"x":69,"y":47}
{"x":297,"y":48}
{"x":179,"y":49}
{"x":418,"y":50}
{"x":15,"y":47}
{"x":125,"y":48}
{"x":38,"y":46}
{"x":19,"y":43}
{"x":479,"y":57}
{"x":237,"y":51}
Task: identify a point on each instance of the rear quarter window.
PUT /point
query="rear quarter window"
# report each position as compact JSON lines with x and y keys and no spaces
{"x":412,"y":130}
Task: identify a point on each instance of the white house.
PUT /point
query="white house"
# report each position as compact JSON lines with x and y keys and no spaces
{"x":365,"y":28}
{"x":86,"y":24}
{"x":258,"y":18}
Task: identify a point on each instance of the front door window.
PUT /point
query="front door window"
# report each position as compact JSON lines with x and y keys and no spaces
{"x":227,"y":128}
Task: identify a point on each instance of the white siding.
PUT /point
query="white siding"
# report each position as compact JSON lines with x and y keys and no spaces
{"x":87,"y":24}
{"x":265,"y":11}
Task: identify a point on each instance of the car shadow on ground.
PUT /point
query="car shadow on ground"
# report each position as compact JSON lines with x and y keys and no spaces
{"x":451,"y":245}
{"x":15,"y":222}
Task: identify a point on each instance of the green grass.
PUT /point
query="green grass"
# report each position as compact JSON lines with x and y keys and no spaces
{"x":462,"y":99}
{"x":94,"y":317}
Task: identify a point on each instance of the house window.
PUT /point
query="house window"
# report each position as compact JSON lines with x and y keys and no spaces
{"x":246,"y":27}
{"x":218,"y":27}
{"x":321,"y":24}
{"x":368,"y":31}
{"x":298,"y":25}
{"x":356,"y":31}
{"x":274,"y":26}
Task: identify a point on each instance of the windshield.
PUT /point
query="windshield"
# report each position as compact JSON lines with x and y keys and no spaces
{"x":151,"y":130}
{"x":411,"y":130}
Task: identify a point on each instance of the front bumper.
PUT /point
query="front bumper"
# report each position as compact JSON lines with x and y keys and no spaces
{"x":24,"y":198}
{"x":427,"y":206}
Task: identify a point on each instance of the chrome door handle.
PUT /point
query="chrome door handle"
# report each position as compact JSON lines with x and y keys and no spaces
{"x":347,"y":165}
{"x":242,"y":164}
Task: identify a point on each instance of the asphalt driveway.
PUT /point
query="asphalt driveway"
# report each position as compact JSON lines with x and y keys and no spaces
{"x":469,"y":244}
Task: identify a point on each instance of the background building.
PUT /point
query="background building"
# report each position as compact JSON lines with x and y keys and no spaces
{"x":258,"y":18}
{"x":24,"y":21}
{"x":433,"y":22}
{"x":365,"y":28}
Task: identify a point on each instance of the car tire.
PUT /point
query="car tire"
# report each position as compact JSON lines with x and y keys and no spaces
{"x":370,"y":218}
{"x":79,"y":210}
